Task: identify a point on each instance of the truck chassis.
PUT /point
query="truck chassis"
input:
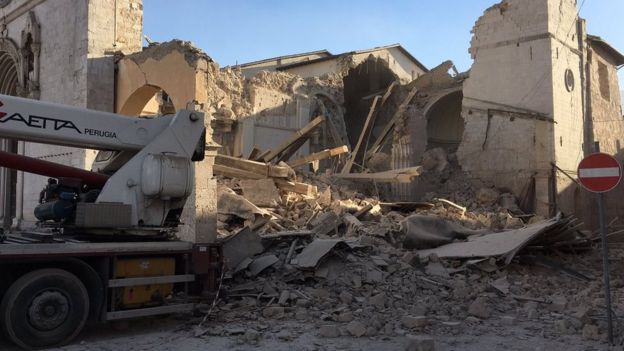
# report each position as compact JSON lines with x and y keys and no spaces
{"x":51,"y":286}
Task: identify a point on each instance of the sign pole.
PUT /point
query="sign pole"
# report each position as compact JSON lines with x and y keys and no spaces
{"x":600,"y":173}
{"x":605,"y":265}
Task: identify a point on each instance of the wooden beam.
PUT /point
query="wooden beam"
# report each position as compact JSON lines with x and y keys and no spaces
{"x":385,"y":97}
{"x":301,"y":133}
{"x":403,"y":175}
{"x":347,"y":167}
{"x":364,"y":210}
{"x":260,"y":168}
{"x":378,"y":144}
{"x":287,"y":154}
{"x":388,"y":92}
{"x":235,"y":172}
{"x":261,"y":156}
{"x":296,"y":187}
{"x":321,"y":155}
{"x":254,"y":153}
{"x":334,"y":132}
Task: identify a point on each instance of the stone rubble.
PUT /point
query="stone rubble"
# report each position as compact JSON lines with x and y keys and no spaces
{"x":371,"y":286}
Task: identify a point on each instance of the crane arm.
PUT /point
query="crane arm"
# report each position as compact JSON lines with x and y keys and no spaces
{"x":49,"y":123}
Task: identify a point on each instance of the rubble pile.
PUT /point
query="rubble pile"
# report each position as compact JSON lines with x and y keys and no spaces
{"x":339,"y":261}
{"x":321,"y":247}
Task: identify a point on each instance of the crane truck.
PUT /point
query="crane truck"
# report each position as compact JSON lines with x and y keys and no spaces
{"x":104,"y":247}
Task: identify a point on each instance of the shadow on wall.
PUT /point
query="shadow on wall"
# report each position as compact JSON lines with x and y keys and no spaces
{"x":445,"y":125}
{"x":574,"y":199}
{"x":362,"y":83}
{"x":148,"y":100}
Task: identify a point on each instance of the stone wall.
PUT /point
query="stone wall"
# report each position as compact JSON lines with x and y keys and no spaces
{"x":608,"y":123}
{"x":184,"y":73}
{"x":75,"y":69}
{"x":519,"y":115}
{"x":567,"y":100}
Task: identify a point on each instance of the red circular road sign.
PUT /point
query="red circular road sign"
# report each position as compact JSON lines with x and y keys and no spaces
{"x":599,"y":172}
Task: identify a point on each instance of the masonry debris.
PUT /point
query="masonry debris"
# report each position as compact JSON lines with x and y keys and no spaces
{"x":335,"y":256}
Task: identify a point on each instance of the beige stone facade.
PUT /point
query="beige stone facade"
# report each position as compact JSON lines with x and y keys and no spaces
{"x":71,"y":63}
{"x":531,"y":101}
{"x":539,"y":94}
{"x":181,"y":73}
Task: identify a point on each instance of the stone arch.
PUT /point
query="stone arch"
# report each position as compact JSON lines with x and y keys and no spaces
{"x":148,"y":100}
{"x":8,"y":74}
{"x":445,"y":125}
{"x":365,"y":80}
{"x":11,"y":79}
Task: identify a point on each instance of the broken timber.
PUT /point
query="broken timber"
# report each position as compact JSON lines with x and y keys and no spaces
{"x":386,"y":131}
{"x":371,"y":113}
{"x":296,"y":187}
{"x":301,"y":133}
{"x":318,"y":156}
{"x":403,"y":175}
{"x":247,"y":168}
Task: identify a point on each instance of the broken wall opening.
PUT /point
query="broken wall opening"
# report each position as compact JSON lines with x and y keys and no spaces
{"x":148,"y":100}
{"x":362,"y":83}
{"x":445,"y":125}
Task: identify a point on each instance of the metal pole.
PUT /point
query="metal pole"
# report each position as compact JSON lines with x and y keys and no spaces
{"x":605,"y":265}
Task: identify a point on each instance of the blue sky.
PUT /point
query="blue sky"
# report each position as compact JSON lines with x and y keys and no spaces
{"x":246,"y":30}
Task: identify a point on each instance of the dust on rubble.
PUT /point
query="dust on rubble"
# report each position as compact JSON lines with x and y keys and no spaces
{"x":333,"y":267}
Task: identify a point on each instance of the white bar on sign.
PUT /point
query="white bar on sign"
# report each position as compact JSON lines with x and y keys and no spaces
{"x":599,"y":172}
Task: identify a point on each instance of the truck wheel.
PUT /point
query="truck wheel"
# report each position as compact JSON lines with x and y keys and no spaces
{"x":46,"y":307}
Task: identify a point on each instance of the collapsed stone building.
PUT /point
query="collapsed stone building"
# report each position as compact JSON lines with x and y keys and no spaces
{"x":540,"y":94}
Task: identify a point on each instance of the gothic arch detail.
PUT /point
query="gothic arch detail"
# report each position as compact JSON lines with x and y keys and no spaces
{"x":30,"y":52}
{"x":11,"y":81}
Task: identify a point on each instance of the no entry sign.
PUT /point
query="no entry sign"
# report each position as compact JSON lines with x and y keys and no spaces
{"x":599,"y":172}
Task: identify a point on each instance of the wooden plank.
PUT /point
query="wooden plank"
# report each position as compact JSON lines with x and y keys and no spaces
{"x":296,"y":187}
{"x":287,"y":154}
{"x":347,"y":167}
{"x":388,"y":92}
{"x":383,"y":102}
{"x":364,"y":210}
{"x":235,"y":173}
{"x":260,"y":157}
{"x":321,"y":155}
{"x":301,"y":133}
{"x":260,"y":168}
{"x":403,"y":175}
{"x":334,"y":132}
{"x":378,"y":144}
{"x":254,"y":153}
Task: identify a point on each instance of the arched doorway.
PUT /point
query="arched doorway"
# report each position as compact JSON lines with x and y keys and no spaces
{"x":445,"y":126}
{"x":148,"y":100}
{"x":9,"y":84}
{"x":361,"y":84}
